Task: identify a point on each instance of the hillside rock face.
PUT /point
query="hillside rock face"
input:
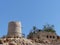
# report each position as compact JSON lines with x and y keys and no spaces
{"x":22,"y":41}
{"x":15,"y":41}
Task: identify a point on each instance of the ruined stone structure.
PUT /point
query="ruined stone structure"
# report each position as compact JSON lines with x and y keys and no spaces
{"x":14,"y":29}
{"x":46,"y":35}
{"x":35,"y":37}
{"x":39,"y":36}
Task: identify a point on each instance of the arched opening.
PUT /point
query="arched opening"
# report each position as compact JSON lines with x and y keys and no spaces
{"x":58,"y":37}
{"x":50,"y":36}
{"x":47,"y":36}
{"x":53,"y":36}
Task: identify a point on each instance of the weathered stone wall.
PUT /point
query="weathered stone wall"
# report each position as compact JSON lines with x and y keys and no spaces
{"x":43,"y":36}
{"x":14,"y":29}
{"x":47,"y":35}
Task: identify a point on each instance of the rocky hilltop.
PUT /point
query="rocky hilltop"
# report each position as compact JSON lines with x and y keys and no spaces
{"x":47,"y":36}
{"x":23,"y":41}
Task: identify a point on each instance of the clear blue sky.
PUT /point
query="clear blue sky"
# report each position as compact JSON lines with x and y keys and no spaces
{"x":30,"y":13}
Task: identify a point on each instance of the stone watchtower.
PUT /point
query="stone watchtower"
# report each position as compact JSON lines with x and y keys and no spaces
{"x":14,"y":29}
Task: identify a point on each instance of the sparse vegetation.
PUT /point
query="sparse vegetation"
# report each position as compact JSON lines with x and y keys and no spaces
{"x":49,"y":28}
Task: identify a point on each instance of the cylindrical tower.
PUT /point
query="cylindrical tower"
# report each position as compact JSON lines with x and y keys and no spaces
{"x":14,"y":29}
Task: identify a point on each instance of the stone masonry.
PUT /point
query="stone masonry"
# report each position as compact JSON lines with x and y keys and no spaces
{"x":14,"y":29}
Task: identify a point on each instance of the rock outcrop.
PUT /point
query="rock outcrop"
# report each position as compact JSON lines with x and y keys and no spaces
{"x":24,"y":41}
